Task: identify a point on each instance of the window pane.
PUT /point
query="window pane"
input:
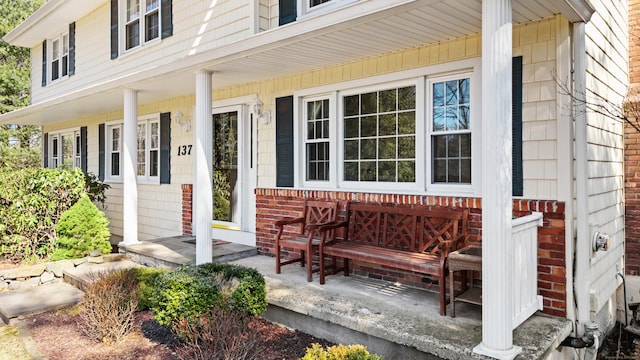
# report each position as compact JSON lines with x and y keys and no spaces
{"x":388,"y":100}
{"x":387,"y":125}
{"x":407,"y":123}
{"x":452,"y":158}
{"x":351,"y":128}
{"x":352,"y":105}
{"x":351,"y":149}
{"x":55,"y":70}
{"x":451,"y":118}
{"x":368,"y":148}
{"x":155,"y":135}
{"x":438,"y":119}
{"x":115,"y":164}
{"x":55,"y":49}
{"x":452,"y":93}
{"x":152,"y":26}
{"x":369,"y":103}
{"x":313,"y":3}
{"x":406,"y":171}
{"x":151,"y":5}
{"x":133,"y":9}
{"x":115,"y":139}
{"x":407,"y":147}
{"x":65,"y":65}
{"x":67,"y":151}
{"x":387,"y":171}
{"x":54,"y":145}
{"x":351,"y":171}
{"x":438,"y":94}
{"x":407,"y":98}
{"x":133,"y":35}
{"x":464,"y":91}
{"x":463,"y":119}
{"x":142,"y":148}
{"x":368,"y":126}
{"x":368,"y":171}
{"x":153,"y":163}
{"x":387,"y":148}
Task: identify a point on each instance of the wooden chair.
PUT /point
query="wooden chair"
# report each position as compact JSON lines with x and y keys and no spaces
{"x":315,"y":214}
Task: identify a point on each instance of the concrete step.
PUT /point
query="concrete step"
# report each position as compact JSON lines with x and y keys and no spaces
{"x":81,"y":276}
{"x":38,"y":299}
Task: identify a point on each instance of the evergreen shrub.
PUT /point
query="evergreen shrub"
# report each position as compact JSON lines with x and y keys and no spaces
{"x":339,"y":352}
{"x":82,"y":229}
{"x":31,"y":202}
{"x":192,"y":291}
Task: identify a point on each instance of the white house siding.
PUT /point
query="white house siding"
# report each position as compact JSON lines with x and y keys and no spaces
{"x":607,"y":76}
{"x":197,"y":26}
{"x":536,"y":42}
{"x":159,"y":206}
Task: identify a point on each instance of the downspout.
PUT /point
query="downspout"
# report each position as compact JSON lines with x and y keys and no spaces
{"x":582,"y":242}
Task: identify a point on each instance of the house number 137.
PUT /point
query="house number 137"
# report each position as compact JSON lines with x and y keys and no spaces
{"x":184,"y":150}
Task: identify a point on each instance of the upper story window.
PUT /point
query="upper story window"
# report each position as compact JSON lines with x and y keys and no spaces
{"x":58,"y":56}
{"x":290,"y":10}
{"x":135,"y":23}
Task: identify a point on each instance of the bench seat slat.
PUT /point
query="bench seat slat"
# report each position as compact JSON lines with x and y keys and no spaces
{"x":399,"y":259}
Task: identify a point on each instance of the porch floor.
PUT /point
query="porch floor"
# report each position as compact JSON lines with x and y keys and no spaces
{"x":395,"y":321}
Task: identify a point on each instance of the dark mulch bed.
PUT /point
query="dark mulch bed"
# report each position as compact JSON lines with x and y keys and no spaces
{"x":57,"y":336}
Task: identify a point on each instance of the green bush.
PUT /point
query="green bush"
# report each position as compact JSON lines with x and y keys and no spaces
{"x":146,"y":278}
{"x":339,"y":352}
{"x":31,"y":202}
{"x":96,"y":188}
{"x":109,"y":306}
{"x":82,"y":229}
{"x":191,"y":291}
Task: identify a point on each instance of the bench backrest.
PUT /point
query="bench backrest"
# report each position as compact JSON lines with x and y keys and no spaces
{"x":417,"y":229}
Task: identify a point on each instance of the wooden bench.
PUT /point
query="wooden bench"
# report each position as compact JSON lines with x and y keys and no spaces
{"x":414,"y":239}
{"x":307,"y":238}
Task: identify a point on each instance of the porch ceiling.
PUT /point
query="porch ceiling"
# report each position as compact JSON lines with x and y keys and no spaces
{"x":348,"y":35}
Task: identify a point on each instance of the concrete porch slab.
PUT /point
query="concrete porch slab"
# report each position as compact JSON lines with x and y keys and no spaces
{"x":392,"y":320}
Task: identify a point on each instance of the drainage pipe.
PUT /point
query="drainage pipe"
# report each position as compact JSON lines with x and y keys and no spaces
{"x":583,"y":239}
{"x":624,"y":288}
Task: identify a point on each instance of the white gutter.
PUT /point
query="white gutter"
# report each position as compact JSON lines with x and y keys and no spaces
{"x":583,"y":238}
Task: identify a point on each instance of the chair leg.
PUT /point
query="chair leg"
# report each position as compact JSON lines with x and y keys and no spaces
{"x":277,"y":260}
{"x":302,"y":258}
{"x":452,"y":295}
{"x":443,"y":287}
{"x":321,"y":270}
{"x":346,"y":266}
{"x":309,"y":265}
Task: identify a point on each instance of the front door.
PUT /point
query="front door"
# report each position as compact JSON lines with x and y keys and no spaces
{"x":233,"y":175}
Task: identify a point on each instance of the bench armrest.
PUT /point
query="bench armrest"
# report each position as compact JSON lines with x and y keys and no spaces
{"x":447,"y":246}
{"x":289,"y":221}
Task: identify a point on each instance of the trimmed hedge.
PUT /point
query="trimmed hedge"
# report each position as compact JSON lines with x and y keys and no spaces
{"x":192,"y":291}
{"x":339,"y":352}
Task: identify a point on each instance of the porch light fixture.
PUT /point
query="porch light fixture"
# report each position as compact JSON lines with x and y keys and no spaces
{"x":185,"y":124}
{"x":265,"y":116}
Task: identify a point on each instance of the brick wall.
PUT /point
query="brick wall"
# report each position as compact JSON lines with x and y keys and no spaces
{"x":632,"y":152}
{"x":187,"y":209}
{"x":272,"y":204}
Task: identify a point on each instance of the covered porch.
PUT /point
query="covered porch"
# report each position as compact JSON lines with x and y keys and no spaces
{"x":391,"y":319}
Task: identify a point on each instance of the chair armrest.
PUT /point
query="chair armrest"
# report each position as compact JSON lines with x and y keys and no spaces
{"x":318,"y":225}
{"x":333,"y":226}
{"x":288,"y":221}
{"x":447,"y":246}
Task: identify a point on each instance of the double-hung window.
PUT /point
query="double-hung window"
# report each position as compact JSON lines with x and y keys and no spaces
{"x":141,"y":20}
{"x":60,"y":57}
{"x":317,"y":115}
{"x":147,"y":150}
{"x":64,"y":149}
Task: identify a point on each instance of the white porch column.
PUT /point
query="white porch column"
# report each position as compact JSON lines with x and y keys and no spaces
{"x":129,"y":164}
{"x":203,"y":174}
{"x":497,"y":203}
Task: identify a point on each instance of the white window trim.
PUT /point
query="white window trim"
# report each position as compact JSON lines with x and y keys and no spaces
{"x":421,"y":77}
{"x":122,"y":27}
{"x":140,"y":179}
{"x":58,"y":134}
{"x":301,"y":136}
{"x":50,"y":59}
{"x":305,"y":10}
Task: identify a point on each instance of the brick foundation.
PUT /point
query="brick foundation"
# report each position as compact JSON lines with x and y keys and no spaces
{"x":272,"y":204}
{"x":187,"y":208}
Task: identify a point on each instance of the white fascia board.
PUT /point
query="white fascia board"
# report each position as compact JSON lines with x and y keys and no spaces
{"x":577,"y":10}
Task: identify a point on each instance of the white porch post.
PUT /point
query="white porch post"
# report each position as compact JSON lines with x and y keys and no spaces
{"x":203,"y":174}
{"x":129,"y":164}
{"x":497,"y":203}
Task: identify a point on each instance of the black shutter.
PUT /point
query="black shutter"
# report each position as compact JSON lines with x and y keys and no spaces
{"x":166,"y":10}
{"x":288,"y":11}
{"x":45,"y":151}
{"x":516,"y":127}
{"x":114,"y":29}
{"x":165,"y":148}
{"x":44,"y":63}
{"x":72,"y":48}
{"x":101,"y":148}
{"x":83,"y":149}
{"x":284,"y":141}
